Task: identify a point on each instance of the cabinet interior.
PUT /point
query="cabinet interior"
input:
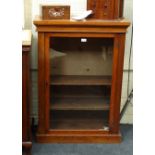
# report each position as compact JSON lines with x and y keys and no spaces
{"x":80,"y":82}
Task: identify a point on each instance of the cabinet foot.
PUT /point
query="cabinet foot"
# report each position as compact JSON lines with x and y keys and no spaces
{"x":26,"y":148}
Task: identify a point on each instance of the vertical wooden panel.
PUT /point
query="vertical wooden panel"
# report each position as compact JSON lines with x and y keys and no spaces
{"x":116,"y":82}
{"x":47,"y":81}
{"x":119,"y":78}
{"x":111,"y":11}
{"x":24,"y":98}
{"x":41,"y":84}
{"x":116,"y":9}
{"x":121,"y":8}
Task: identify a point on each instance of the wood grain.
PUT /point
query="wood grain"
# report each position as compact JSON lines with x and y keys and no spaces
{"x":80,"y":138}
{"x":49,"y":12}
{"x":87,"y":27}
{"x":41,"y":83}
{"x":26,"y":93}
{"x":114,"y":29}
{"x":102,"y":9}
{"x":79,"y":120}
{"x":80,"y":80}
{"x":80,"y":103}
{"x":94,"y":22}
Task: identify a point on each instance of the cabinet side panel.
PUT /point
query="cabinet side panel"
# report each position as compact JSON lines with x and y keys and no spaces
{"x":24,"y":98}
{"x":119,"y":79}
{"x":117,"y":82}
{"x":114,"y":84}
{"x":41,"y":83}
{"x":47,"y":80}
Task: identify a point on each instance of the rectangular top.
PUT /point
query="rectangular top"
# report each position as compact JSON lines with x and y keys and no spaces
{"x":26,"y":37}
{"x":38,"y":21}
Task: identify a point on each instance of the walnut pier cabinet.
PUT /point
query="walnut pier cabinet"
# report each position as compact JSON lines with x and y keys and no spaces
{"x":80,"y":67}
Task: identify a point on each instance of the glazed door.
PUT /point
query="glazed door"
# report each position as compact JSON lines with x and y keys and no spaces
{"x":79,"y":74}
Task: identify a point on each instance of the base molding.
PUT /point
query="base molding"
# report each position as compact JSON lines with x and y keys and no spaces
{"x":26,"y":145}
{"x":81,"y":138}
{"x":26,"y":148}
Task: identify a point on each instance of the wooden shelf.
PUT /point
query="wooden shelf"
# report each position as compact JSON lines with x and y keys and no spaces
{"x":80,"y":80}
{"x":80,"y":103}
{"x":78,"y":119}
{"x":79,"y":124}
{"x":77,"y":92}
{"x":81,"y":96}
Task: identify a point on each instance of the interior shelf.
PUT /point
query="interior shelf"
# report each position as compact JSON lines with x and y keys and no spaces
{"x":80,"y":103}
{"x":78,"y":124}
{"x":79,"y":120}
{"x":80,"y":80}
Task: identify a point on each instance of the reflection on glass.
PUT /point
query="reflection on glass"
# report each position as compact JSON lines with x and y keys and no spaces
{"x":80,"y":73}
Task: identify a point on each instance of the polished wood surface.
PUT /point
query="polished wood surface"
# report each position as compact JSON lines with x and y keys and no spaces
{"x":105,"y":9}
{"x":80,"y":103}
{"x":38,"y":21}
{"x":80,"y":80}
{"x":121,"y":8}
{"x":114,"y":29}
{"x":79,"y":120}
{"x":41,"y":84}
{"x":80,"y":138}
{"x":97,"y":28}
{"x":50,"y":12}
{"x":26,"y":96}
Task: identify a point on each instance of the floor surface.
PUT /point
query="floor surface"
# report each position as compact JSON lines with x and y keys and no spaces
{"x":125,"y":148}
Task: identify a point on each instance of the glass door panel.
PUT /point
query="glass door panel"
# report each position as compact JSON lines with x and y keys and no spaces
{"x":80,"y":86}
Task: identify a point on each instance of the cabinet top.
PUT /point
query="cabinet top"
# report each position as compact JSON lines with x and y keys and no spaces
{"x":84,"y":26}
{"x":38,"y":21}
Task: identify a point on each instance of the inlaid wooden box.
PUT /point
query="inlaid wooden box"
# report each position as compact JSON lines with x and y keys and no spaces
{"x":106,"y":9}
{"x":50,"y":12}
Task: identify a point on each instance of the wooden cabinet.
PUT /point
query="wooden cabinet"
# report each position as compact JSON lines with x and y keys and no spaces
{"x":106,"y":9}
{"x":26,"y":134}
{"x":80,"y":78}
